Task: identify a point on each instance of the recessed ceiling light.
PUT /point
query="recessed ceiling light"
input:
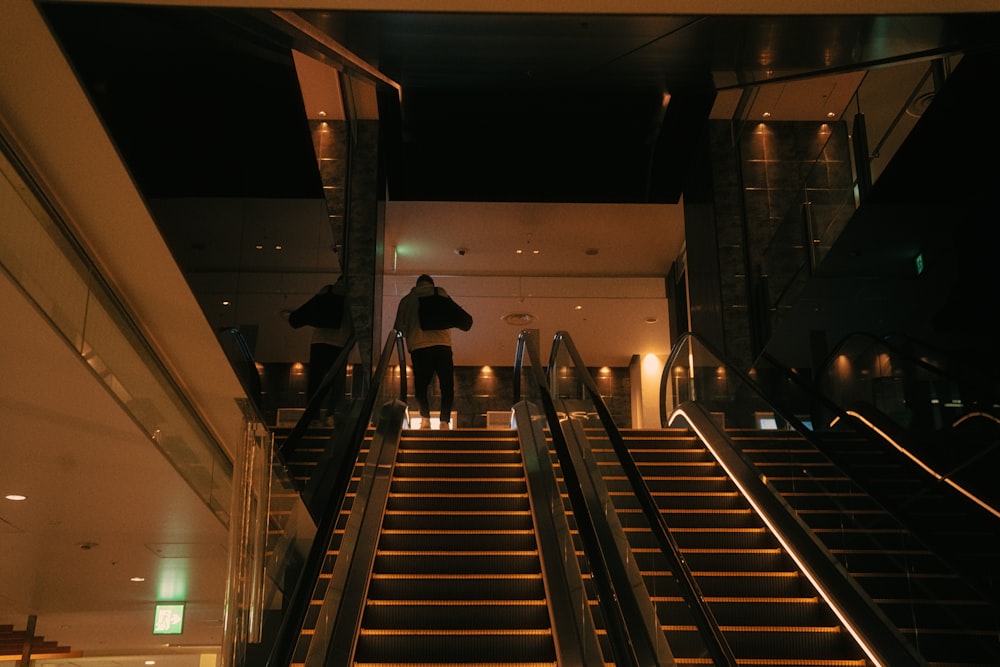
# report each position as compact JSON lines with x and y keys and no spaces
{"x":517,"y":319}
{"x":15,"y":496}
{"x":137,"y":579}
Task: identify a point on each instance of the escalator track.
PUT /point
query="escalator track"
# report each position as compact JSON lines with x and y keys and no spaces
{"x":456,"y":575}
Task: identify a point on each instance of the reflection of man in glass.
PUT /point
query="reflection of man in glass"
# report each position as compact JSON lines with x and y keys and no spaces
{"x":325,"y":346}
{"x":430,"y":353}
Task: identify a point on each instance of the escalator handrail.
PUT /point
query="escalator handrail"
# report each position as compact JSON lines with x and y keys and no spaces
{"x":250,"y":378}
{"x":708,"y":625}
{"x":614,"y":617}
{"x":880,"y":434}
{"x":300,"y":598}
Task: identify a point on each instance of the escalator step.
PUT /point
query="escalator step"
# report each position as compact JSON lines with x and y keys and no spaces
{"x":468,"y":615}
{"x":455,"y":562}
{"x":448,"y":647}
{"x":516,"y":587}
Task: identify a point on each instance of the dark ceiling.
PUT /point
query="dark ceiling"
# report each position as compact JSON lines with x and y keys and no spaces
{"x":541,"y":108}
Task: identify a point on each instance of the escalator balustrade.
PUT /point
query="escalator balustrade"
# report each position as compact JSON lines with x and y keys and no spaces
{"x":301,"y":464}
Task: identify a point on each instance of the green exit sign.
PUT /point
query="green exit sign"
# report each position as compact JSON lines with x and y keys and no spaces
{"x":169,"y":619}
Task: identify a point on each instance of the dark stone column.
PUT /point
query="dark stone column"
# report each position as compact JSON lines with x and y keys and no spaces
{"x":364,"y":232}
{"x":352,"y":186}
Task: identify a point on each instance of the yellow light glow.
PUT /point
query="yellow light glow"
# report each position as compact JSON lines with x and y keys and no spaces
{"x":651,"y":364}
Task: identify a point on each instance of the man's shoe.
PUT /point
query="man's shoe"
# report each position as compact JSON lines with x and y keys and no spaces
{"x":444,"y":426}
{"x":425,"y":422}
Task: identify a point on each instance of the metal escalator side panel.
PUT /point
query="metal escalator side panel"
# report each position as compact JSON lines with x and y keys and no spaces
{"x":573,"y":626}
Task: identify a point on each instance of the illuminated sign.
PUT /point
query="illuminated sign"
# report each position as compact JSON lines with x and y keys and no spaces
{"x":919,"y":261}
{"x":169,"y":619}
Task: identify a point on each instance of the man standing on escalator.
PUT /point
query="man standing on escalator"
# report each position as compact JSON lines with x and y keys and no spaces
{"x":430,"y":353}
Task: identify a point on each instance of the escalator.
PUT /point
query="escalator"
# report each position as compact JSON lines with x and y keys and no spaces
{"x":431,"y":555}
{"x":767,"y":611}
{"x":456,"y":576}
{"x":945,"y":616}
{"x":568,"y":542}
